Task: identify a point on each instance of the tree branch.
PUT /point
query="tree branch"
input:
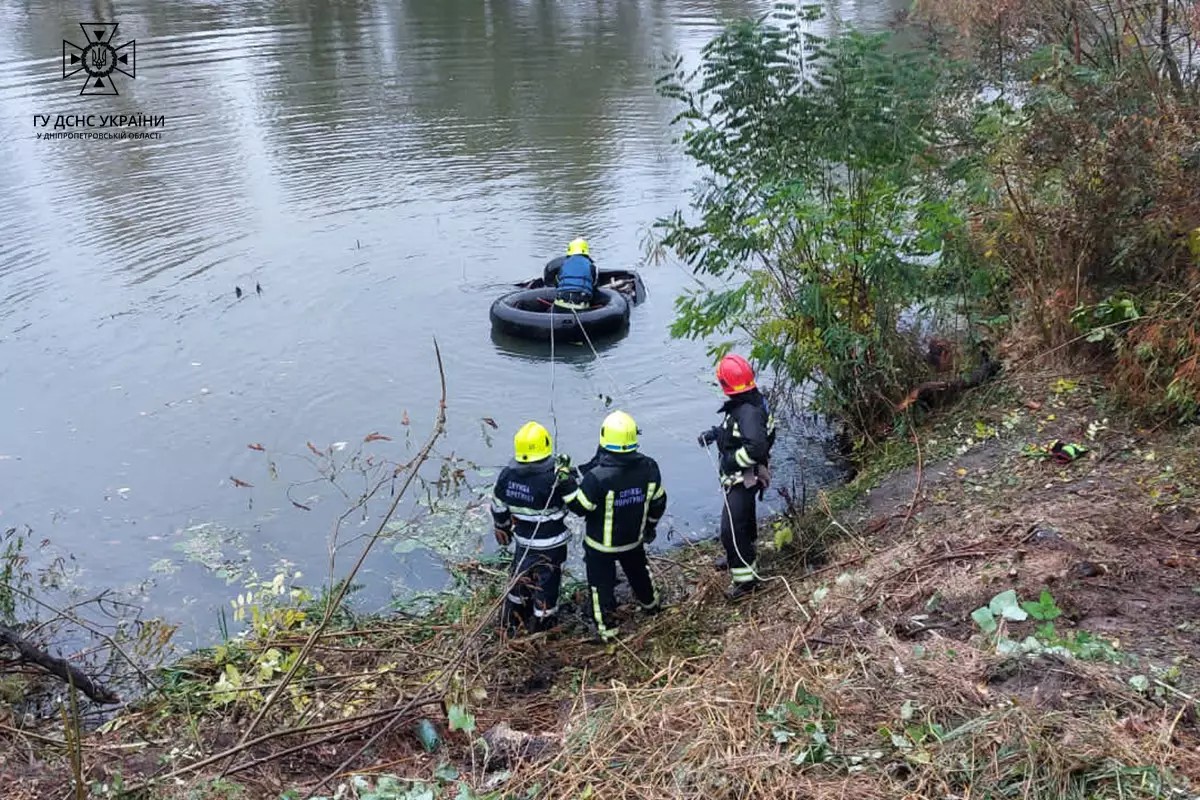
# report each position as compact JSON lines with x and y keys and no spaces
{"x":58,"y":667}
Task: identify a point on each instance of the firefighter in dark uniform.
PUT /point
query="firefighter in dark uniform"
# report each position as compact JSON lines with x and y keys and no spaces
{"x":621,"y":498}
{"x":744,"y":440}
{"x":528,"y":509}
{"x":574,"y":275}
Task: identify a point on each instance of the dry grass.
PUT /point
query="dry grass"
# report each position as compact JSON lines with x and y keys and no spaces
{"x":889,"y":668}
{"x":687,"y":733}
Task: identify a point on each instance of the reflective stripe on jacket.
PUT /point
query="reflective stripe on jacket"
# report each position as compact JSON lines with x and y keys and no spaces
{"x":745,"y":436}
{"x":620,"y":494}
{"x":526,"y":501}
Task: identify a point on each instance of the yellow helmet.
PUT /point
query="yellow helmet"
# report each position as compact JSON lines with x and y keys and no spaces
{"x":577,"y":247}
{"x":619,"y":433}
{"x":532,"y":443}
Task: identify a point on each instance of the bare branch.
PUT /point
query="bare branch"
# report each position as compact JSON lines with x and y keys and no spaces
{"x":333,"y":605}
{"x":58,"y":667}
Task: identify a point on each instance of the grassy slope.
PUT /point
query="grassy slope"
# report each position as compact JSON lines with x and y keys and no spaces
{"x":883,"y":688}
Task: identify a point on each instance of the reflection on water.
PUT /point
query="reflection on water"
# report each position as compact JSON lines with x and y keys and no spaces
{"x":383,"y":171}
{"x":578,"y":353}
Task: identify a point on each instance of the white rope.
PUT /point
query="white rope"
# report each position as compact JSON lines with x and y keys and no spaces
{"x":611,"y":380}
{"x":518,"y":554}
{"x":553,"y":416}
{"x":736,"y":549}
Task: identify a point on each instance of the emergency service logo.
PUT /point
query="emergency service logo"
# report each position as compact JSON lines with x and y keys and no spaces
{"x":99,"y":59}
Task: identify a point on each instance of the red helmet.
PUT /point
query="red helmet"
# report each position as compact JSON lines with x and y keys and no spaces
{"x":735,"y":375}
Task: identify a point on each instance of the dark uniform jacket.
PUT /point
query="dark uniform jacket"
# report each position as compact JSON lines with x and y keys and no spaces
{"x":621,"y":498}
{"x":745,"y":437}
{"x":527,"y":502}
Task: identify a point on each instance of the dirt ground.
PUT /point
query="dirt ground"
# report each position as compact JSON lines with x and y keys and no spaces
{"x":1114,"y":536}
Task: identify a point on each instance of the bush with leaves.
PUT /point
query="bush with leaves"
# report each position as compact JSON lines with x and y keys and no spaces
{"x":818,"y":213}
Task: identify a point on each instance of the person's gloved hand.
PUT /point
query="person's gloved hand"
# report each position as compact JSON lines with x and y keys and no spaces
{"x":764,"y":480}
{"x":764,"y":476}
{"x":562,"y":467}
{"x":651,"y":532}
{"x":503,"y":537}
{"x":708,"y":437}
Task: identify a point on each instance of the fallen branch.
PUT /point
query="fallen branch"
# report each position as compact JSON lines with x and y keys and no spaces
{"x":58,"y":667}
{"x":926,"y":392}
{"x":266,"y":737}
{"x":63,"y":613}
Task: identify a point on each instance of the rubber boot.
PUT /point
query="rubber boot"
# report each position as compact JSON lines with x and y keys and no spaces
{"x":721,"y":564}
{"x":739,"y":591}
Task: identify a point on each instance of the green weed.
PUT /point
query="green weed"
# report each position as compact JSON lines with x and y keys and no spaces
{"x":1046,"y":639}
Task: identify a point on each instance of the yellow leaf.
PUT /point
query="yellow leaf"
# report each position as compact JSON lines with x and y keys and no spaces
{"x":235,"y":677}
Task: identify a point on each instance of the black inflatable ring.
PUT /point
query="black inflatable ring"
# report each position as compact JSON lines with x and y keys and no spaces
{"x":530,"y":313}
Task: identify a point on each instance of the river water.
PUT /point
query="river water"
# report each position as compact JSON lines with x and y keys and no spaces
{"x":380,"y":171}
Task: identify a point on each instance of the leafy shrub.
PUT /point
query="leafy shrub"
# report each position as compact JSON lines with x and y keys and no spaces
{"x":1158,"y":361}
{"x":1006,"y":606}
{"x":817,"y":213}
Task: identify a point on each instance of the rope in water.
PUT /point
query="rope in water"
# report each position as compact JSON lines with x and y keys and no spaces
{"x":518,"y":554}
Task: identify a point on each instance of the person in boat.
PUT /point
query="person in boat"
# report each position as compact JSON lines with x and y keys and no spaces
{"x":529,"y":508}
{"x":574,"y":275}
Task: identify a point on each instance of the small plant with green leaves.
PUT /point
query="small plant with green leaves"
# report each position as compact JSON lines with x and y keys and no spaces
{"x":915,"y":738}
{"x":112,"y":787}
{"x":1006,"y":607}
{"x":1080,"y":644}
{"x":390,"y":787}
{"x":783,"y":534}
{"x":1045,"y":610}
{"x":276,"y":607}
{"x":801,"y":725}
{"x":1106,"y":319}
{"x":13,"y":572}
{"x":460,"y":719}
{"x":1160,"y":683}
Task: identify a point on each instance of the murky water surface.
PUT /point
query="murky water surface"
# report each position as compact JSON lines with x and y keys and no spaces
{"x":380,"y":170}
